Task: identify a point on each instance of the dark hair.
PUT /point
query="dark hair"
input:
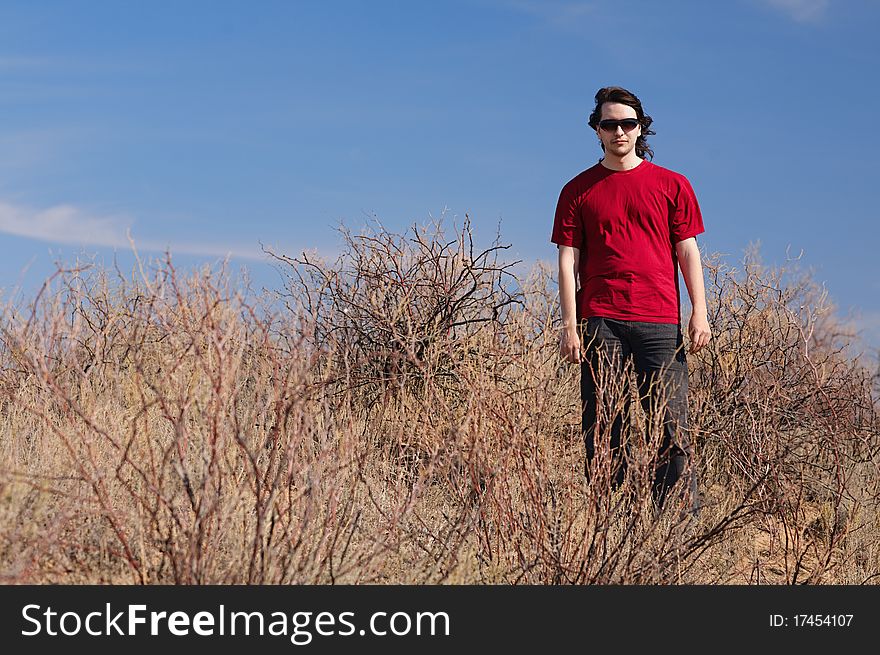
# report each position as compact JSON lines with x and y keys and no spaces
{"x":624,"y":97}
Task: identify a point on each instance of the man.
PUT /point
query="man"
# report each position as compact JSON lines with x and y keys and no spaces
{"x":622,"y":227}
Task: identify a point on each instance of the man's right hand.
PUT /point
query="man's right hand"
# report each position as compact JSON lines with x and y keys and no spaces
{"x":570,"y":345}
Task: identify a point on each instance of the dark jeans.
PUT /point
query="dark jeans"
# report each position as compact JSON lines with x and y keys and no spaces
{"x":658,"y":358}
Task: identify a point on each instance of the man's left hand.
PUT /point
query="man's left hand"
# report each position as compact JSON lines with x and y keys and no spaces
{"x":698,"y":332}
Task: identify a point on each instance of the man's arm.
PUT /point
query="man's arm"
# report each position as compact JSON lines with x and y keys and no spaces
{"x":692,"y":270}
{"x":569,"y":341}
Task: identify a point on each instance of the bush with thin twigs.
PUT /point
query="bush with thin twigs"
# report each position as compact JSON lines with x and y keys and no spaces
{"x":397,"y":310}
{"x":789,"y":422}
{"x":403,"y":415}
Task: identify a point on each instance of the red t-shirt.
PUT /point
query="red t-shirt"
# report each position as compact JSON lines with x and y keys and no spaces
{"x":626,"y":225}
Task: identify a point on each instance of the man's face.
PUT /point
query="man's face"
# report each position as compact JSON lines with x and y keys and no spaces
{"x":618,"y":141}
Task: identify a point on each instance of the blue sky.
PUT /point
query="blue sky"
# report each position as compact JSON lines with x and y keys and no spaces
{"x":210,"y":127}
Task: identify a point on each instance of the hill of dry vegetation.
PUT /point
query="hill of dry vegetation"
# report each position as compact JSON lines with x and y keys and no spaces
{"x":402,"y":415}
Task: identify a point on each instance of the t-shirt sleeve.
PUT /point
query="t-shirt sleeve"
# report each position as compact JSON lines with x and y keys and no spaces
{"x":686,"y":220}
{"x":567,"y":226}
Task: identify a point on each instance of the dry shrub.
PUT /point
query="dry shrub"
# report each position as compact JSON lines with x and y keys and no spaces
{"x":403,"y":415}
{"x":787,"y":421}
{"x":174,"y":429}
{"x":398,"y":311}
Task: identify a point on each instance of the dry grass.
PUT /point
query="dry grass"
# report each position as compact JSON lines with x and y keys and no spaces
{"x":402,"y":415}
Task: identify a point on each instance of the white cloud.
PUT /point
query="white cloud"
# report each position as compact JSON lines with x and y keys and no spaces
{"x":71,"y":225}
{"x":63,"y":224}
{"x":803,"y":11}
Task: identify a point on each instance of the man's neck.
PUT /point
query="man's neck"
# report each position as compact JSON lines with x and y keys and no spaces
{"x":621,"y":164}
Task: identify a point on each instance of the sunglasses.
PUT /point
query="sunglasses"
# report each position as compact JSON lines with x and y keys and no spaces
{"x":628,"y":125}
